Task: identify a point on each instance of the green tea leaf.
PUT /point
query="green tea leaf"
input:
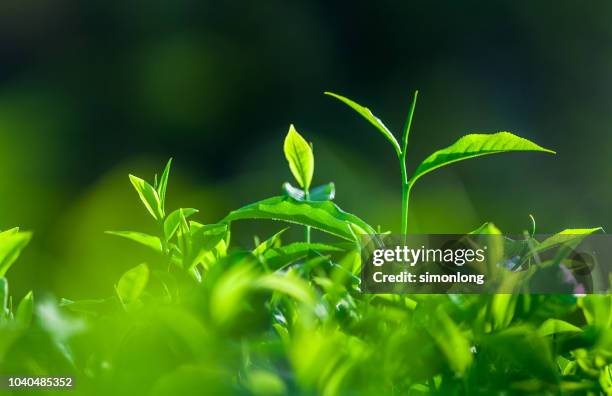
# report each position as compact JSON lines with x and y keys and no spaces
{"x":9,"y":232}
{"x":502,"y":308}
{"x":163,"y":184}
{"x":556,"y":326}
{"x":147,"y":240}
{"x":325,"y":216}
{"x":597,"y":310}
{"x":287,"y":284}
{"x":265,"y":383}
{"x":570,"y":238}
{"x":203,"y":239}
{"x":25,"y":309}
{"x":524,"y":348}
{"x":299,"y":155}
{"x":4,"y":297}
{"x":487,"y":228}
{"x":11,"y":245}
{"x":287,"y":254}
{"x":273,"y":241}
{"x":475,"y":145}
{"x":149,"y":197}
{"x":132,"y":283}
{"x":408,"y":123}
{"x":369,"y":116}
{"x":324,"y":192}
{"x":172,"y":221}
{"x":451,"y":341}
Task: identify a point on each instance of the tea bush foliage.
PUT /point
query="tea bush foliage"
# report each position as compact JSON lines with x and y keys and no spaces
{"x":288,"y":317}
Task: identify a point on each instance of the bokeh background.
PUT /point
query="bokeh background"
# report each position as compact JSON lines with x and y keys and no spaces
{"x":93,"y":90}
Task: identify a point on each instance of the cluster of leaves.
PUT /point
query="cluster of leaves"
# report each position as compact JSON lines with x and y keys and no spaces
{"x":289,"y":317}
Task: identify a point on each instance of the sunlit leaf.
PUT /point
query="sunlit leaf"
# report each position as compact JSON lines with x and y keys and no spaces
{"x":475,"y":145}
{"x":172,"y":221}
{"x":265,"y":383}
{"x":287,"y":284}
{"x":147,"y":240}
{"x":23,"y":315}
{"x":11,"y":245}
{"x":325,"y":216}
{"x":4,"y":297}
{"x":269,"y":243}
{"x":132,"y":283}
{"x":556,"y":326}
{"x":149,"y":197}
{"x":300,"y":157}
{"x":369,"y":116}
{"x":163,"y":184}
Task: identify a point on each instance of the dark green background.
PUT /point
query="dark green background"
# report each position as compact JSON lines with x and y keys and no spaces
{"x":92,"y":90}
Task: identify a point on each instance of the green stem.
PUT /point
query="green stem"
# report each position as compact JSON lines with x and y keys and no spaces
{"x":307,"y":198}
{"x":405,"y":195}
{"x":406,"y":184}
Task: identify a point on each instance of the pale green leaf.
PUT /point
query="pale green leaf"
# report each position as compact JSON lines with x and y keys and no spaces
{"x":11,"y":245}
{"x":132,"y":283}
{"x":369,"y":116}
{"x":4,"y":296}
{"x":265,"y":383}
{"x":300,"y":157}
{"x":475,"y":145}
{"x":172,"y":221}
{"x":147,"y":240}
{"x":556,"y":326}
{"x":9,"y":232}
{"x":325,"y":216}
{"x":149,"y":197}
{"x":25,"y":309}
{"x":269,"y":243}
{"x":286,"y":284}
{"x":163,"y":184}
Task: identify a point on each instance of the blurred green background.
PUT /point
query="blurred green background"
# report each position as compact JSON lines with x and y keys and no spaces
{"x":92,"y":90}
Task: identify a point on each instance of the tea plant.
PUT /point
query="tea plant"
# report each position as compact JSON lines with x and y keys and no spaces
{"x":469,"y":146}
{"x":288,"y":317}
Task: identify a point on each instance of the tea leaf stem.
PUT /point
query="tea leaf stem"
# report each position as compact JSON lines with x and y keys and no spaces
{"x":406,"y":184}
{"x":307,"y":198}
